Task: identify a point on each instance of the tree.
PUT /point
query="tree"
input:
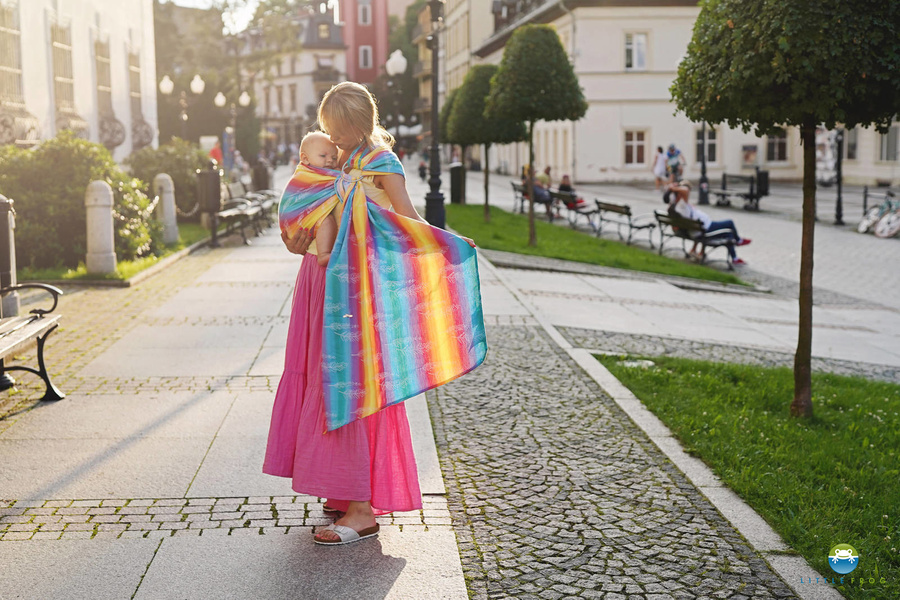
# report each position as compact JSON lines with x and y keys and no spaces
{"x":467,"y":123}
{"x":535,"y":82}
{"x":760,"y":65}
{"x":446,"y":135}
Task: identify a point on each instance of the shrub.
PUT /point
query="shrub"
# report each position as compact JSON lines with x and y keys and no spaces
{"x":180,"y":159}
{"x":48,"y":184}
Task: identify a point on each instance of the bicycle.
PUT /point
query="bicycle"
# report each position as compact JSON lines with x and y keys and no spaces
{"x":876,"y":213}
{"x":889,"y":224}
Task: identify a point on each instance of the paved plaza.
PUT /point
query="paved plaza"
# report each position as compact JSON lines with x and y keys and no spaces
{"x":542,"y":476}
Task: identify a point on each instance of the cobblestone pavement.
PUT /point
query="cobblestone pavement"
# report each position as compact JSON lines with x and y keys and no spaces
{"x":555,"y":493}
{"x":648,"y":345}
{"x":166,"y":517}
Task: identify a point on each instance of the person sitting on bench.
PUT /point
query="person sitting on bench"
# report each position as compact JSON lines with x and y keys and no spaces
{"x":682,"y":207}
{"x":541,"y":193}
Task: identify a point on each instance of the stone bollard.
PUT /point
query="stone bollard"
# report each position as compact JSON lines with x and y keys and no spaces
{"x":10,"y":303}
{"x":101,"y":255}
{"x":164,"y":187}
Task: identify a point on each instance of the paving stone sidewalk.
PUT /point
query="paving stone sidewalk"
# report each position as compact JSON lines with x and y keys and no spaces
{"x":555,"y":493}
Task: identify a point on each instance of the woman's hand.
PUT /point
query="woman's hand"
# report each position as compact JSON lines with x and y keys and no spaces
{"x":469,"y":241}
{"x":299,"y":243}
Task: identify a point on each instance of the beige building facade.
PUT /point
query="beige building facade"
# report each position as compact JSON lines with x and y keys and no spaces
{"x":626,"y":56}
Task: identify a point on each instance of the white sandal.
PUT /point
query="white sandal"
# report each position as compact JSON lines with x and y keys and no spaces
{"x":347,"y":535}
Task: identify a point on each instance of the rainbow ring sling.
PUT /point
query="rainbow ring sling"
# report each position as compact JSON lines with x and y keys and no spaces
{"x":402,"y":298}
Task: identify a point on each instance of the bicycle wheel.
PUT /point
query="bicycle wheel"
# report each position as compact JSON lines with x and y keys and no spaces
{"x":888,"y":225}
{"x":869,"y":219}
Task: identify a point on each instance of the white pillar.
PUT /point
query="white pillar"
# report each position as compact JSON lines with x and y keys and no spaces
{"x":101,"y":255}
{"x":164,"y":187}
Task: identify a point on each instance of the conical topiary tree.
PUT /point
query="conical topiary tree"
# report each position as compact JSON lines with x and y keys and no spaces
{"x":761,"y":65}
{"x":469,"y":125}
{"x":535,"y":82}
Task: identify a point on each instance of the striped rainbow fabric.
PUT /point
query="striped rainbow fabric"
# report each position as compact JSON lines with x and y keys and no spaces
{"x":402,"y":298}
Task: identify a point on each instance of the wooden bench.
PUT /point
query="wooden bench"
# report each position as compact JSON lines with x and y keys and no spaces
{"x":757,"y":187}
{"x":521,"y":198}
{"x":675,"y":226}
{"x":19,"y":332}
{"x":238,"y":213}
{"x":519,"y":195}
{"x":620,"y":215}
{"x":569,"y":200}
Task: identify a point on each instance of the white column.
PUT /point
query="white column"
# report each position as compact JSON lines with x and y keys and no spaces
{"x":101,"y":255}
{"x":164,"y":187}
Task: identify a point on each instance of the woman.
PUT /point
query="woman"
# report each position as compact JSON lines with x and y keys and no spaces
{"x":727,"y":229}
{"x":659,"y":167}
{"x":366,"y":466}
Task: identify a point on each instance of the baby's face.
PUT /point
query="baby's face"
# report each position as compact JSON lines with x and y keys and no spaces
{"x":320,"y":153}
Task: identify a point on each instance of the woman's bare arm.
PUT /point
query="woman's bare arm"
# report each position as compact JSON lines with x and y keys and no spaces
{"x":395,"y":186}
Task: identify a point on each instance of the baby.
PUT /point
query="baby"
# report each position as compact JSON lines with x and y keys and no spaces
{"x":317,"y":150}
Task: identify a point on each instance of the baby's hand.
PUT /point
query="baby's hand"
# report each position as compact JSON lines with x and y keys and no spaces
{"x":299,"y":243}
{"x":469,"y":241}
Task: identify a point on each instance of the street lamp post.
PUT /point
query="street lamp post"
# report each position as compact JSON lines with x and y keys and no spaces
{"x":395,"y":66}
{"x":839,"y":175}
{"x":197,"y":85}
{"x":434,"y":199}
{"x":703,"y":192}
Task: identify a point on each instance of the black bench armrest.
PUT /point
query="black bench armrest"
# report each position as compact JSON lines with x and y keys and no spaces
{"x":53,"y":290}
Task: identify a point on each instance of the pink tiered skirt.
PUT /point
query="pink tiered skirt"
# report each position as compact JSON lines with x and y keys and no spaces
{"x":368,"y":460}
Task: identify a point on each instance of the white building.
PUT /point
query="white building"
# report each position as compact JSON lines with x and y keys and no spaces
{"x":290,"y":93}
{"x":626,"y":55}
{"x":86,"y":65}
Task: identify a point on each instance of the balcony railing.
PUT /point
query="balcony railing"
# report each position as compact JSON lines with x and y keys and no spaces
{"x":325,"y":75}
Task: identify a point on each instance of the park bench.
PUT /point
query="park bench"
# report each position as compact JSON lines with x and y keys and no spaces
{"x":757,"y":187}
{"x":620,"y":215}
{"x":569,"y":200}
{"x":237,"y":212}
{"x":688,"y":230}
{"x":19,"y":332}
{"x":521,"y":198}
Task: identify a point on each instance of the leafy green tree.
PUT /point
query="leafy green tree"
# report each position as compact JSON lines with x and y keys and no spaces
{"x":446,"y":135}
{"x":761,"y":65}
{"x":467,"y":123}
{"x":535,"y":82}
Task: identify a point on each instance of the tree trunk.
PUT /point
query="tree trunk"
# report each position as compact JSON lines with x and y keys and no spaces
{"x":532,"y":234}
{"x":487,"y":175}
{"x":802,"y":404}
{"x":462,"y":180}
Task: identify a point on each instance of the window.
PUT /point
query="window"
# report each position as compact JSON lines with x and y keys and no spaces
{"x":10,"y":57}
{"x":888,"y":145}
{"x":104,"y":80}
{"x":278,"y":99}
{"x":134,"y":83}
{"x":634,"y":148}
{"x":365,"y":14}
{"x":776,"y":147}
{"x":851,"y":141}
{"x":293,"y":97}
{"x":635,"y":51}
{"x":268,"y":95}
{"x":365,"y":57}
{"x":711,"y":145}
{"x":63,"y":81}
{"x":324,"y":31}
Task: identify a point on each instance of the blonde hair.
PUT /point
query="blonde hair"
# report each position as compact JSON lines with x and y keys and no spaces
{"x":352,"y":106}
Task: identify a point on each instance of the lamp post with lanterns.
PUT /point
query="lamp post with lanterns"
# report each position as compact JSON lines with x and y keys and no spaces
{"x":167,"y":87}
{"x":394,"y":67}
{"x":434,"y":199}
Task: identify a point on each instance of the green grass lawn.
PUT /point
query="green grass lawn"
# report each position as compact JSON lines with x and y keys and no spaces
{"x":188,"y":234}
{"x":829,"y":480}
{"x":509,"y":232}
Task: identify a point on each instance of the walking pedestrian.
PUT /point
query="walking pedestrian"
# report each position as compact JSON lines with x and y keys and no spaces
{"x":659,"y":167}
{"x":365,"y":335}
{"x":675,"y":163}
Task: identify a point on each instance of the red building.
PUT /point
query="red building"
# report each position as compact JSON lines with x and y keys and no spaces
{"x":366,"y":37}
